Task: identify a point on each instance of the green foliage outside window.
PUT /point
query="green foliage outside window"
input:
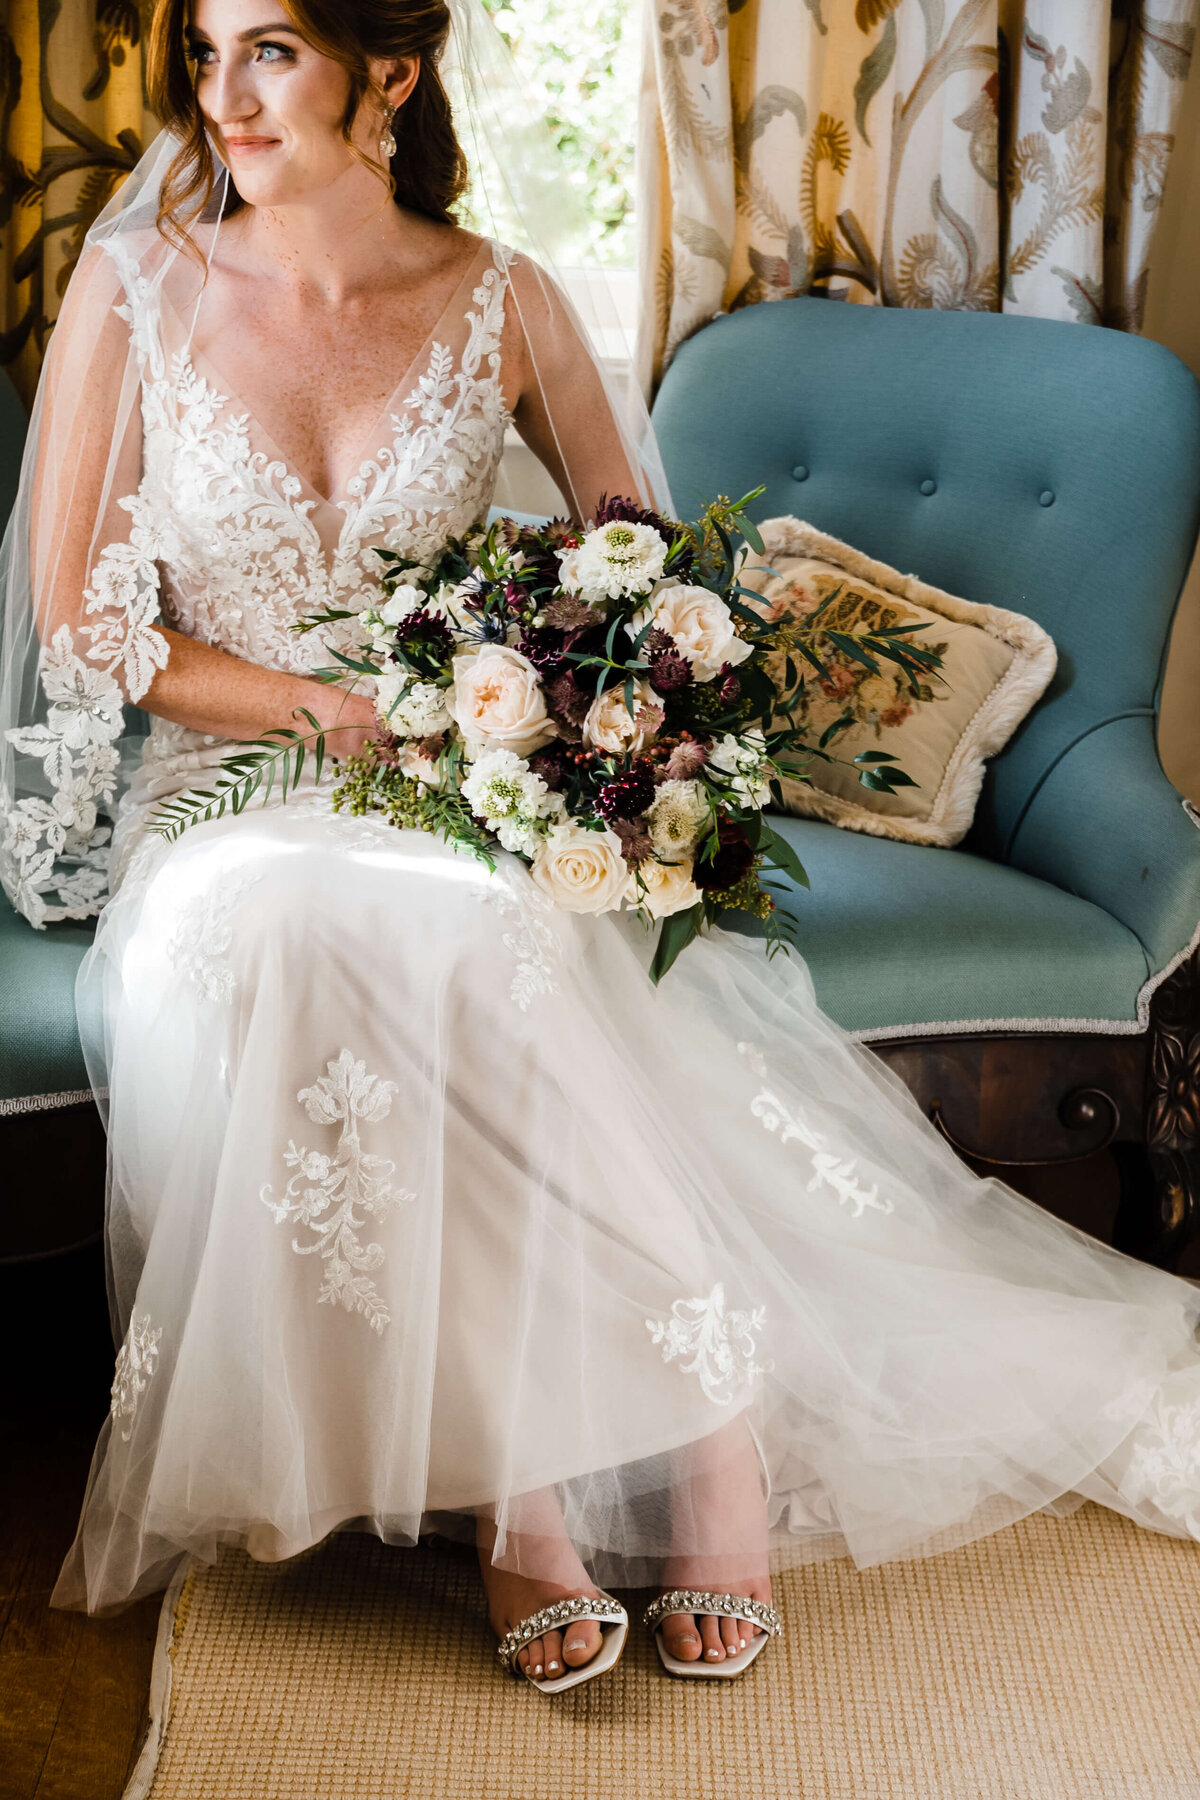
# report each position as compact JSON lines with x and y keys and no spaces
{"x":581,"y":64}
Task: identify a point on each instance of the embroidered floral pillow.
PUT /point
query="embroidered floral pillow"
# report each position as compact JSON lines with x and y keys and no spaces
{"x":995,"y":666}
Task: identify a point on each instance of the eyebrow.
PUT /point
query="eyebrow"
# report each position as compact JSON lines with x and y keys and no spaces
{"x":255,"y":32}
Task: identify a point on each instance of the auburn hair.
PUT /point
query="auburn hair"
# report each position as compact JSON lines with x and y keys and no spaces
{"x":428,"y":173}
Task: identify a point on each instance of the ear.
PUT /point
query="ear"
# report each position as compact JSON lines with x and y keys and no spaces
{"x":398,"y":77}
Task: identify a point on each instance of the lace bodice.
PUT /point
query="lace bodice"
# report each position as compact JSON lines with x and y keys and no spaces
{"x":229,"y":544}
{"x":246,"y":546}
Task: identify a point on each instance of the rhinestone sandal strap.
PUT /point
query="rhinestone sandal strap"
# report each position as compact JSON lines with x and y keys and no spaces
{"x":553,"y":1618}
{"x":731,"y":1606}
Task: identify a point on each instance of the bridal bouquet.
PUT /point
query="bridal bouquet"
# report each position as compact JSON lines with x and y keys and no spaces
{"x":610,"y":704}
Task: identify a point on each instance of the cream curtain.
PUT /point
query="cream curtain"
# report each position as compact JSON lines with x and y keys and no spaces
{"x":982,"y":154}
{"x":72,"y":125}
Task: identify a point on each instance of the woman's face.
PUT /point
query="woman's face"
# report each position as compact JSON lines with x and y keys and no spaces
{"x":274,"y":105}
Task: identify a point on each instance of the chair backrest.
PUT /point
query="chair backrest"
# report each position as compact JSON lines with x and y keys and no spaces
{"x":12,"y":442}
{"x":1050,"y":468}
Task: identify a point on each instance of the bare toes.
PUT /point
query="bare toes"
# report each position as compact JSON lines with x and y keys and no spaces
{"x":681,"y":1637}
{"x":533,"y":1660}
{"x":581,"y":1643}
{"x":554,"y":1657}
{"x":710,"y":1637}
{"x":730,"y":1632}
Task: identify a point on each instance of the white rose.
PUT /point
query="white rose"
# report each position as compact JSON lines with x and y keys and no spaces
{"x":398,"y":606}
{"x":418,"y":767}
{"x":702,"y":626}
{"x":581,"y":871}
{"x":679,"y":813}
{"x":497,"y":700}
{"x":667,"y":887}
{"x":450,"y":602}
{"x":610,"y":726}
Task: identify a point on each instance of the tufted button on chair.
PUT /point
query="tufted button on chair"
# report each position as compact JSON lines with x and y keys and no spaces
{"x":1038,"y":987}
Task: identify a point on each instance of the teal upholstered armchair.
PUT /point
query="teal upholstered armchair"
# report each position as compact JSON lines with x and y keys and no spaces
{"x":1038,"y":987}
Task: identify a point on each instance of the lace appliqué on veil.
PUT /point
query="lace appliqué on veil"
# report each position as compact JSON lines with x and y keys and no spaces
{"x":328,"y":1195}
{"x":202,"y":937}
{"x":838,"y":1174}
{"x":722,"y":1344}
{"x":533,"y":942}
{"x":135,"y":1365}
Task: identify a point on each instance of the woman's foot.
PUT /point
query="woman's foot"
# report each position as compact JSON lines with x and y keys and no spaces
{"x":724,"y":1499}
{"x":543,"y":1541}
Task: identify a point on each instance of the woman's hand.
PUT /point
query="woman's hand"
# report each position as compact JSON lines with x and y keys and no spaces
{"x":348,"y":720}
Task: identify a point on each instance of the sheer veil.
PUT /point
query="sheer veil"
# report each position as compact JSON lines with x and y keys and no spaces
{"x":79,"y":566}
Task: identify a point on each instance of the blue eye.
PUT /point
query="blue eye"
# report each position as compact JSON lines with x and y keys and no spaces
{"x":282,"y":53}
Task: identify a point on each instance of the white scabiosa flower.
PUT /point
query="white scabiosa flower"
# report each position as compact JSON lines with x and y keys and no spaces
{"x":746,"y":761}
{"x":679,"y":813}
{"x":503,"y":791}
{"x":613,"y":562}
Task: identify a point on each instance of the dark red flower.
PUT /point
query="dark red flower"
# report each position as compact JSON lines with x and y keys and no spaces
{"x":543,"y":646}
{"x":729,"y":687}
{"x":565,"y":699}
{"x":551,"y":764}
{"x":670,"y":672}
{"x":625,"y":796}
{"x":620,"y":508}
{"x":725,"y":866}
{"x":426,"y":640}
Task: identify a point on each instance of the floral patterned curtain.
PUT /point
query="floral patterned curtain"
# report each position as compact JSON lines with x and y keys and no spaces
{"x":992,"y":155}
{"x":72,"y":125}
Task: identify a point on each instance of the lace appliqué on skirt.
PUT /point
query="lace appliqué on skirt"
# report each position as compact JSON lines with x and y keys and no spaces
{"x":722,"y":1343}
{"x":839,"y":1175}
{"x":533,"y":942}
{"x":326,"y":1193}
{"x":1164,"y":1466}
{"x":202,"y":938}
{"x":135,"y":1365}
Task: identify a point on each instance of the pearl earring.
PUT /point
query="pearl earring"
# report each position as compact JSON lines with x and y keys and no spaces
{"x":387,"y":140}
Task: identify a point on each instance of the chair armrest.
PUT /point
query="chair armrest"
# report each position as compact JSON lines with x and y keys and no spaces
{"x":1106,"y":824}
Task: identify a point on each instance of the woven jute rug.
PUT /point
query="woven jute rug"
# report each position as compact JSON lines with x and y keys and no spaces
{"x":1055,"y":1660}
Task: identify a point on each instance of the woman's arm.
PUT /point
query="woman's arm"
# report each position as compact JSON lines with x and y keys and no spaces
{"x":207,"y":689}
{"x":562,"y":411}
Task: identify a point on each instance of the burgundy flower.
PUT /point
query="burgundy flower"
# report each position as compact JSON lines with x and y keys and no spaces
{"x":620,"y":508}
{"x":426,"y":640}
{"x":566,"y":613}
{"x":543,"y":646}
{"x":731,"y":860}
{"x":551,"y":764}
{"x":565,"y":699}
{"x":670,"y":672}
{"x":636,"y":842}
{"x":730,"y":686}
{"x":625,"y":796}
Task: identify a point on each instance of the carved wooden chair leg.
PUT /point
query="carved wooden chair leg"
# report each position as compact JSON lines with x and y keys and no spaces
{"x":1159,"y":1213}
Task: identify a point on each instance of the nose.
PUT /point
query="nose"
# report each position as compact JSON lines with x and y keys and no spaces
{"x":230,"y":96}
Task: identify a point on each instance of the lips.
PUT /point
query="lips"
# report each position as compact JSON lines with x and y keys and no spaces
{"x":238,"y":145}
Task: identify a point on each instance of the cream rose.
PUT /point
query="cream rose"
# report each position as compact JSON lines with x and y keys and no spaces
{"x":667,"y":887}
{"x":610,"y":726}
{"x":497,"y":700}
{"x":702,"y":626}
{"x":581,"y":871}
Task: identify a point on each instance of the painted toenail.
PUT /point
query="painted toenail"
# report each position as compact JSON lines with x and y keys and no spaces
{"x":538,"y":1670}
{"x":742,"y":1642}
{"x":552,"y":1665}
{"x":714,"y":1654}
{"x":575,"y":1644}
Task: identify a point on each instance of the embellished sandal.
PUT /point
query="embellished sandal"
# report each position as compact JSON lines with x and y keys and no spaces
{"x":731,"y":1606}
{"x":614,"y":1627}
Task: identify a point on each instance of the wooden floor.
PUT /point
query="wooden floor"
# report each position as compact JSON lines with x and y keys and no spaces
{"x":73,"y":1690}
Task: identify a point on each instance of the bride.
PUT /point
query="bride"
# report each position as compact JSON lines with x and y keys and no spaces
{"x":427,"y":1212}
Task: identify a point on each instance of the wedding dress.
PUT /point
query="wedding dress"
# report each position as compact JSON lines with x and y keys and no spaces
{"x":423,"y":1199}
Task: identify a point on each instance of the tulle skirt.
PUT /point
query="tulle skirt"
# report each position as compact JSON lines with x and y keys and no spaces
{"x":425,"y":1204}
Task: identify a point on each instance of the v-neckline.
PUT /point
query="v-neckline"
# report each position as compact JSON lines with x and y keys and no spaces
{"x":340,"y":498}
